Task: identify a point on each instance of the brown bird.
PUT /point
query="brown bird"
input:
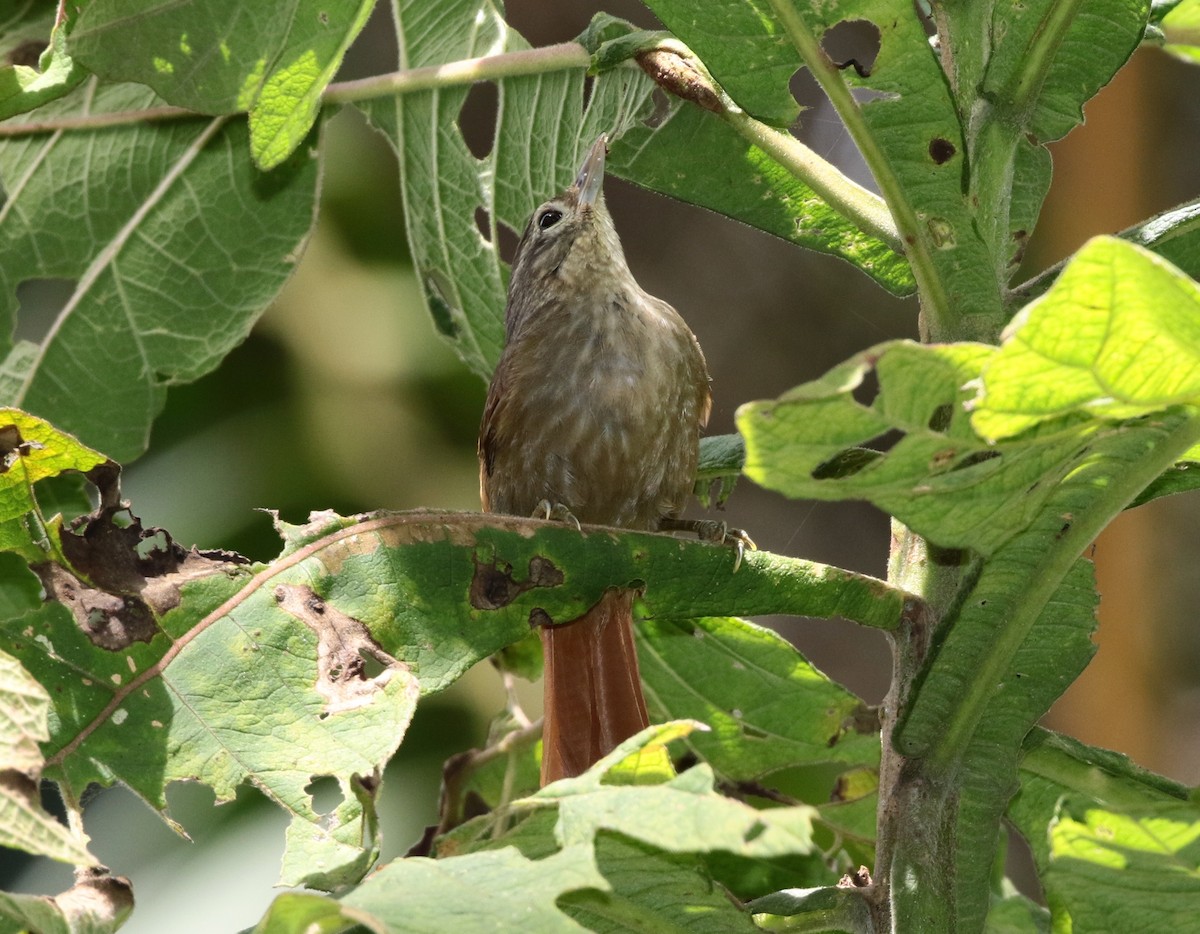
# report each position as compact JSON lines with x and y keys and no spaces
{"x":593,"y":414}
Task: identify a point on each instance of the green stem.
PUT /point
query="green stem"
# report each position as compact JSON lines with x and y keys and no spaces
{"x":1021,"y":94}
{"x":862,"y":207}
{"x":488,"y":68}
{"x":935,"y":302}
{"x":467,"y":71}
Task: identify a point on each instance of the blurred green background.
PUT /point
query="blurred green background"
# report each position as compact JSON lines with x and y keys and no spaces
{"x":344,"y":398}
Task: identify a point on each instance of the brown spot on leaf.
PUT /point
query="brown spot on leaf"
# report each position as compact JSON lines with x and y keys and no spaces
{"x":493,"y":585}
{"x":344,"y":649}
{"x":941,"y":150}
{"x":122,"y":577}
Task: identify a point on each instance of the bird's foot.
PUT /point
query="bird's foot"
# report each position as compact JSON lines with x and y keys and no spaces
{"x":547,"y":510}
{"x":713,"y":530}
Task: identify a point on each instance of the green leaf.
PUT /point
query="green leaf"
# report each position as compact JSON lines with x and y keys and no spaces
{"x":152,"y":687}
{"x":939,"y":478}
{"x":1054,"y":766}
{"x":768,"y":708}
{"x":31,"y":450}
{"x":1123,"y":871}
{"x":500,"y":890}
{"x":24,"y":825}
{"x":1050,"y":59}
{"x":272,"y":60}
{"x":1070,"y":791}
{"x":825,"y":908}
{"x":745,"y":49}
{"x":653,"y":890}
{"x":1173,"y":235}
{"x":696,"y":157}
{"x":684,"y":814}
{"x":643,"y":836}
{"x":1016,"y":914}
{"x":156,"y":670}
{"x":472,"y":582}
{"x":23,"y":88}
{"x":690,"y":155}
{"x":918,"y":149}
{"x":172,"y":279}
{"x":1117,"y":336}
{"x":1181,"y":30}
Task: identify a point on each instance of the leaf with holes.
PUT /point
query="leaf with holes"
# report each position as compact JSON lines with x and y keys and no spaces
{"x":32,"y":450}
{"x":661,"y":829}
{"x":272,"y":60}
{"x":164,"y":280}
{"x":907,"y":109}
{"x":157,"y":654}
{"x":456,"y":202}
{"x":938,"y":477}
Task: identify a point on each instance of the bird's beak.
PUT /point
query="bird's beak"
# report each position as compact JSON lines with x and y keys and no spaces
{"x":590,"y":180}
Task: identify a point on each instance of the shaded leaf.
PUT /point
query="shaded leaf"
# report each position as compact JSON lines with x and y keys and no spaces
{"x":173,"y":279}
{"x":911,"y":116}
{"x":828,"y":908}
{"x":272,"y":60}
{"x":1090,"y":46}
{"x":694,"y":156}
{"x":496,"y":890}
{"x":450,"y":193}
{"x":651,"y":888}
{"x":768,"y":708}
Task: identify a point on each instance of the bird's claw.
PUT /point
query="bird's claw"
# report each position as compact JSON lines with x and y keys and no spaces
{"x":714,"y":530}
{"x":547,"y":510}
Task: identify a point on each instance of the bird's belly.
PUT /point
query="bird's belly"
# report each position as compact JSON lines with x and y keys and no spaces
{"x":615,"y":444}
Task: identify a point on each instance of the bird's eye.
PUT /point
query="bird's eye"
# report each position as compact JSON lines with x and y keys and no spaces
{"x":549,"y":218}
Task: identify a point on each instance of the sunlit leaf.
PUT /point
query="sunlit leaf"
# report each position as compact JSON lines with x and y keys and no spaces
{"x":272,"y":60}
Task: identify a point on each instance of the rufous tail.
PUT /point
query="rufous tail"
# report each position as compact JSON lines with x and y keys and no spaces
{"x":593,"y":691}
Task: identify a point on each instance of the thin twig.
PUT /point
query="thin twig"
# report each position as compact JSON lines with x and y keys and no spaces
{"x":460,"y":767}
{"x":467,"y":71}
